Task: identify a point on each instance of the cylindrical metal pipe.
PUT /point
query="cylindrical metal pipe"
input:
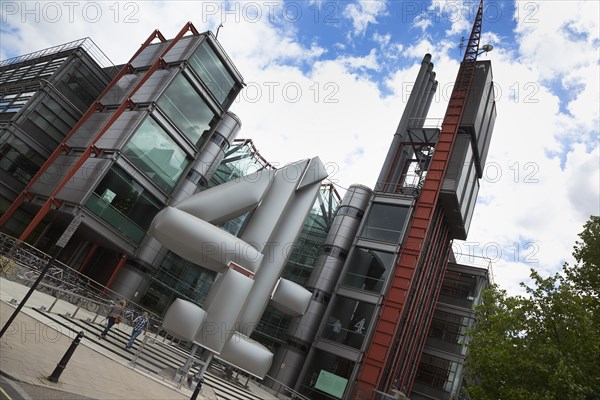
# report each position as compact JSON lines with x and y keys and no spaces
{"x":390,"y":160}
{"x":412,"y":119}
{"x":322,"y":281}
{"x":423,"y":109}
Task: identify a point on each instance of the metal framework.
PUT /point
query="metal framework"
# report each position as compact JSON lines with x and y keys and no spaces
{"x":91,"y":149}
{"x":393,"y":355}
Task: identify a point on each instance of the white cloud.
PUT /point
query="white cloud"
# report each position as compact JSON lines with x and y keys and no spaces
{"x":541,"y":181}
{"x":422,"y":22}
{"x":364,"y":12}
{"x":558,"y":36}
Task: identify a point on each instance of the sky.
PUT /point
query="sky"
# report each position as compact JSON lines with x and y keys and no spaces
{"x":331,"y":79}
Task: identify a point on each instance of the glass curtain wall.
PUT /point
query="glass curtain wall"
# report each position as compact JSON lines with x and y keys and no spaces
{"x":17,"y":159}
{"x":213,"y":73}
{"x":186,"y":109}
{"x":124,"y":204}
{"x":153,"y":151}
{"x":385,"y":222}
{"x":368,"y":269}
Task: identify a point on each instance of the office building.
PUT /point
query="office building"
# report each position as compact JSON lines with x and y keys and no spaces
{"x":386,"y":310}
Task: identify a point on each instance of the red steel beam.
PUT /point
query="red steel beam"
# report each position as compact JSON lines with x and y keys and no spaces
{"x":127,"y":103}
{"x":406,"y":371}
{"x":409,"y":377}
{"x":115,"y":272}
{"x":420,"y":300}
{"x":63,"y":146}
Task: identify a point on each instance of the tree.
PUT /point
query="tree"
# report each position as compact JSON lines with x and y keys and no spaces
{"x":546,"y":345}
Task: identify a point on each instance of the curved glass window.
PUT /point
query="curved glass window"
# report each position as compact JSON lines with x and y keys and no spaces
{"x":186,"y":109}
{"x":385,"y":222}
{"x":213,"y":73}
{"x":153,"y":151}
{"x":368,"y":269}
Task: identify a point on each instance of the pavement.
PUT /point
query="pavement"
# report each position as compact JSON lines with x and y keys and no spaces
{"x":34,"y":344}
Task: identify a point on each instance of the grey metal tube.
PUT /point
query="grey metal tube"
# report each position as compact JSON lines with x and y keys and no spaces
{"x":405,"y":152}
{"x":389,"y":161}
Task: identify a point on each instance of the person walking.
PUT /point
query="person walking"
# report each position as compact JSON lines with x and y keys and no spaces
{"x":139,"y":324}
{"x":114,"y":316}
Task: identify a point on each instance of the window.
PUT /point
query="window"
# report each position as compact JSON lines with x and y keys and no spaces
{"x":436,"y":372}
{"x":368,"y":269}
{"x":458,"y":289}
{"x":153,"y":151}
{"x":186,"y":109}
{"x":385,"y":222}
{"x":213,"y":73}
{"x":17,"y":159}
{"x":327,"y":376}
{"x":447,"y":332}
{"x":124,"y":204}
{"x":349,"y":321}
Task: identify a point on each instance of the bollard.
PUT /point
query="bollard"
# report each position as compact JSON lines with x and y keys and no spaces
{"x":63,"y":362}
{"x":197,"y":390}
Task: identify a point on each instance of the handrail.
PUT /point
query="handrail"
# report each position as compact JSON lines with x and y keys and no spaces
{"x":293,"y":394}
{"x":30,"y":258}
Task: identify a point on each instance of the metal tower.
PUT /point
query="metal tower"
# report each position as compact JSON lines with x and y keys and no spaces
{"x":393,"y":355}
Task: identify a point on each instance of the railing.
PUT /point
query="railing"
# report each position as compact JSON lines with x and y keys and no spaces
{"x":86,"y":43}
{"x":427,"y":123}
{"x":279,"y":388}
{"x":23,"y":263}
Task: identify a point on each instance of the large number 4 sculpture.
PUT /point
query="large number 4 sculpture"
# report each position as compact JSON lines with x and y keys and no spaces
{"x":250,"y":265}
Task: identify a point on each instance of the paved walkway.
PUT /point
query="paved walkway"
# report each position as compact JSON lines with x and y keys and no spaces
{"x":34,"y":344}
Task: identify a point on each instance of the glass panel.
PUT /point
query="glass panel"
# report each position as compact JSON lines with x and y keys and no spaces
{"x":327,"y":376}
{"x":186,"y":109}
{"x":447,"y":332}
{"x":177,"y":278}
{"x":124,"y":204}
{"x":17,"y":159}
{"x":153,"y":151}
{"x":368,"y":269}
{"x":458,"y":289}
{"x":385,"y":222}
{"x":213,"y":73}
{"x":349,"y":321}
{"x":436,"y":372}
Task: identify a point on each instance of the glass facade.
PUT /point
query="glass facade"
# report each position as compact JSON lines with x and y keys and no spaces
{"x":49,"y":122}
{"x":11,"y":103}
{"x":458,"y":289}
{"x":177,"y":278}
{"x":213,"y":73}
{"x":436,"y":373}
{"x":447,"y":332}
{"x":349,"y":321}
{"x":17,"y":159}
{"x":327,"y":376}
{"x":368,"y":269}
{"x":186,"y":109}
{"x":385,"y":222}
{"x":30,"y":71}
{"x":153,"y":151}
{"x":124,"y":204}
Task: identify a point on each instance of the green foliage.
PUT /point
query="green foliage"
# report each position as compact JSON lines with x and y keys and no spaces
{"x":546,"y":345}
